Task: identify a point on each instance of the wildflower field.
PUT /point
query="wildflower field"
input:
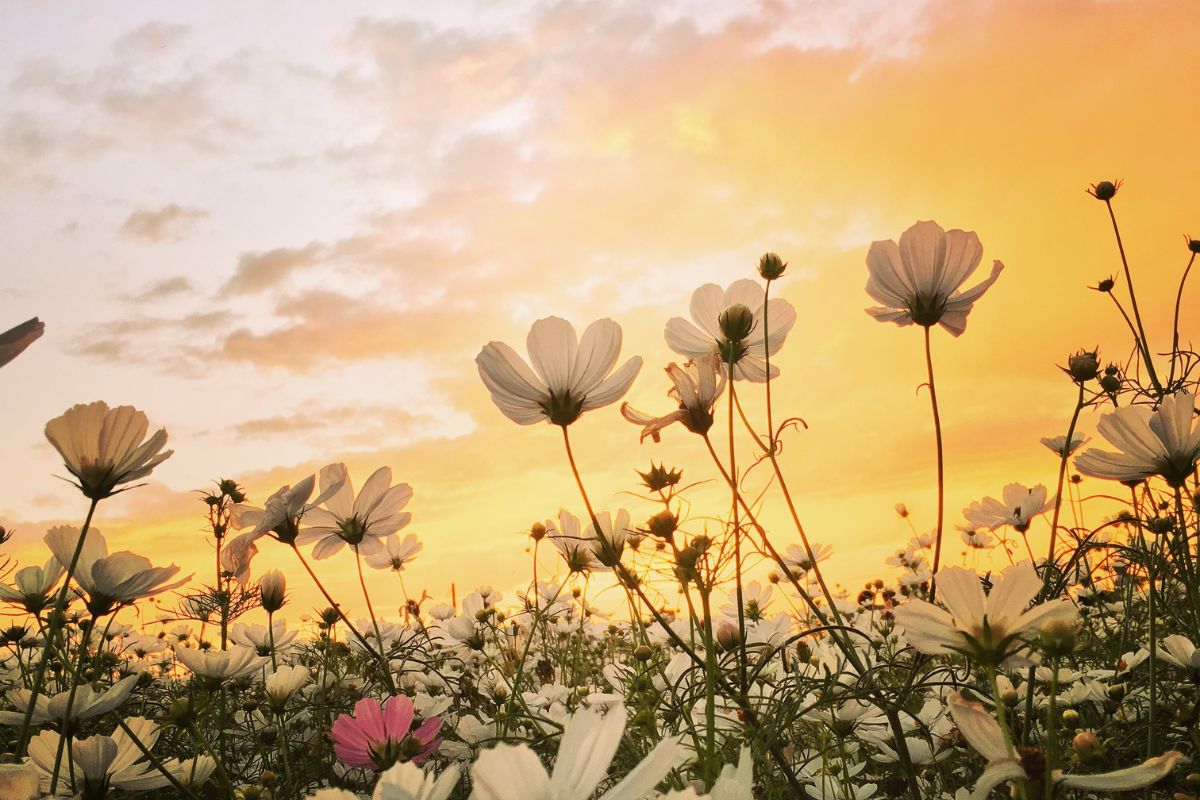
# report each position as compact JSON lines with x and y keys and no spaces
{"x":1040,"y":644}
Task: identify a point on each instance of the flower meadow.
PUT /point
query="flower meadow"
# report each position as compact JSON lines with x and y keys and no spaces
{"x":1055,"y":659}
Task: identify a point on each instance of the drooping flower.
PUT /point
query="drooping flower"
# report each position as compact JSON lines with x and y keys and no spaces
{"x":985,"y":735}
{"x":99,"y":763}
{"x":110,"y":581}
{"x":991,"y":628}
{"x":729,"y":326}
{"x":588,"y":744}
{"x":103,"y":447}
{"x":569,"y":375}
{"x":1164,"y":442}
{"x":379,"y":735}
{"x":396,"y":553}
{"x":919,"y":281}
{"x":362,"y":521}
{"x":1017,"y":509}
{"x":279,"y":518}
{"x":14,"y":340}
{"x":695,"y":387}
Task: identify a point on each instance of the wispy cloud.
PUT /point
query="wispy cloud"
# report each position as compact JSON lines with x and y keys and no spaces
{"x":167,"y":224}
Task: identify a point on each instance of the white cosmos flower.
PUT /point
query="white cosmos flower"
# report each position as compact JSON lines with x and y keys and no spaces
{"x":87,"y":703}
{"x":363,"y":520}
{"x":32,"y":585}
{"x":19,"y":782}
{"x":98,"y":763}
{"x":103,"y":448}
{"x":279,"y":518}
{"x":222,"y":665}
{"x":1057,"y":444}
{"x":984,"y":734}
{"x":1017,"y":509}
{"x":396,"y":553}
{"x":258,"y":637}
{"x":569,"y":375}
{"x":706,"y":337}
{"x":695,"y":388}
{"x":589,"y":742}
{"x":577,"y":547}
{"x":1179,"y":650}
{"x":407,"y":781}
{"x":991,"y":628}
{"x":110,"y":581}
{"x":919,"y":280}
{"x":1165,"y":442}
{"x":14,"y":340}
{"x":284,"y":682}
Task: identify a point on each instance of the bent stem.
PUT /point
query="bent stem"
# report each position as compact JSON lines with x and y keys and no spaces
{"x":56,"y":622}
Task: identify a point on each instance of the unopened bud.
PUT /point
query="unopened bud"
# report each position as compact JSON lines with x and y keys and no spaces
{"x":1084,"y":366}
{"x":771,"y":266}
{"x":1087,"y":746}
{"x":272,"y":591}
{"x":1057,"y":638}
{"x":1104,"y":190}
{"x":737,"y":322}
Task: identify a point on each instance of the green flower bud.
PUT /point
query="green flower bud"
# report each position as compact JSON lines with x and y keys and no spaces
{"x":771,"y":266}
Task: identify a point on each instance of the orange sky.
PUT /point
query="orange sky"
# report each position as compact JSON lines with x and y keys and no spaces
{"x":286,"y":244}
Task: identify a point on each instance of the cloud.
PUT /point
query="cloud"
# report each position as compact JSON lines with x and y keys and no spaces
{"x":167,"y":224}
{"x":151,"y":38}
{"x":160,"y":290}
{"x":266,"y":270}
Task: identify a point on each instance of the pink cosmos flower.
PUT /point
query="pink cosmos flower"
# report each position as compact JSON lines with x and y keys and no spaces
{"x":377,"y":736}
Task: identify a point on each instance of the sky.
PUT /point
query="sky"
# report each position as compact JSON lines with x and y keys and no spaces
{"x":285,"y":230}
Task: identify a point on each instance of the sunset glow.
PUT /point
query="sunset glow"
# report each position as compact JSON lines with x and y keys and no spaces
{"x":284,"y":233}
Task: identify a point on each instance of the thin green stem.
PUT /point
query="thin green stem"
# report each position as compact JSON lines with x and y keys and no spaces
{"x":941,"y":467}
{"x":56,"y":623}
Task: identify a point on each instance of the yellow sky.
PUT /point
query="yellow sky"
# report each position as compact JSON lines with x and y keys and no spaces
{"x":330,"y":229}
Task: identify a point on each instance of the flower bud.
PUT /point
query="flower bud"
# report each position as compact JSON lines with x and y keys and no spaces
{"x":658,"y":478}
{"x":1104,"y":190}
{"x":642,"y":652}
{"x":272,"y":589}
{"x":1110,"y":383}
{"x":537,"y":531}
{"x":1070,"y":718}
{"x":1010,"y":698}
{"x":1087,"y":746}
{"x":728,"y":636}
{"x":1083,"y":366}
{"x":771,"y":266}
{"x":902,"y":510}
{"x":1057,"y":638}
{"x":736,"y":322}
{"x":1193,"y":244}
{"x":663,"y":524}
